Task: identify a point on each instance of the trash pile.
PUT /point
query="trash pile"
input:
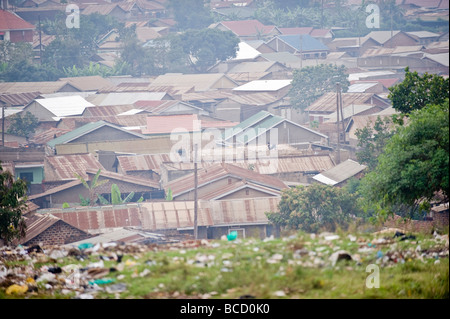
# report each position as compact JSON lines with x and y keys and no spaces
{"x":84,"y":271}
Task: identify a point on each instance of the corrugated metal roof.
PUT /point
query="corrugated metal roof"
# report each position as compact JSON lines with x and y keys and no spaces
{"x":125,"y":178}
{"x":361,"y":87}
{"x":166,"y":124}
{"x":200,"y":82}
{"x":145,"y":162}
{"x":349,"y":111}
{"x":18,"y":99}
{"x":24,"y":87}
{"x":327,"y":102}
{"x":37,"y":224}
{"x":441,"y":58}
{"x":64,"y":167}
{"x":88,"y":83}
{"x":340,"y":172}
{"x":219,"y":171}
{"x":48,"y":135}
{"x":124,"y":98}
{"x":243,"y":211}
{"x":168,"y":214}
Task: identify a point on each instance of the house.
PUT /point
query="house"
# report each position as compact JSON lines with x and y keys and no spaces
{"x":358,"y":122}
{"x":324,"y":35}
{"x":166,"y":124}
{"x":126,"y":98}
{"x":239,"y":107}
{"x":168,"y":107}
{"x":304,"y":45}
{"x":265,"y":128}
{"x":194,"y":82}
{"x":339,"y":174}
{"x":70,"y":191}
{"x":321,"y":109}
{"x":392,"y":39}
{"x":92,"y":83}
{"x":353,"y":46}
{"x":49,"y":230}
{"x":52,"y":109}
{"x":15,"y":29}
{"x":95,"y":132}
{"x":44,"y":87}
{"x":225,"y":181}
{"x":264,"y":70}
{"x":247,"y":29}
{"x":424,"y":37}
{"x":112,"y":10}
{"x":144,"y":165}
{"x":278,"y":88}
{"x":62,"y":168}
{"x":285,"y":58}
{"x":215,"y":218}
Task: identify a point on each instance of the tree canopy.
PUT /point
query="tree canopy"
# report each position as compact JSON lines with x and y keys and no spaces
{"x":416,"y":91}
{"x":12,"y":205}
{"x":311,"y":82}
{"x":23,"y":125}
{"x":314,"y":208}
{"x":414,"y":165}
{"x":191,"y":14}
{"x":208,"y":46}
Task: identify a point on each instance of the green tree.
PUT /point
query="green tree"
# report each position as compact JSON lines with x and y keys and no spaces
{"x":372,"y":140}
{"x":311,"y":82}
{"x":414,"y":165}
{"x":315,"y":207}
{"x":416,"y":91}
{"x":94,"y":183}
{"x":23,"y":125}
{"x":12,"y":205}
{"x":208,"y":46}
{"x":191,"y":14}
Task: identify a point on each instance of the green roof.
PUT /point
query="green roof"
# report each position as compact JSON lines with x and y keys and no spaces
{"x":246,"y":124}
{"x":85,"y":129}
{"x":259,"y":129}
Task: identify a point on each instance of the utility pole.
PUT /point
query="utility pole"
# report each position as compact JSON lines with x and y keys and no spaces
{"x":195,"y":193}
{"x":338,"y":154}
{"x":40,"y":40}
{"x":3,"y":123}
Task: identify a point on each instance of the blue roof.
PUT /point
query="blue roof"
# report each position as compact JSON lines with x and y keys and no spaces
{"x":308,"y":42}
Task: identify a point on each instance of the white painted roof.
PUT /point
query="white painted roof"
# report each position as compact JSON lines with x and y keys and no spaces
{"x":362,"y":75}
{"x":246,"y":52}
{"x":360,"y":87}
{"x":263,"y":85}
{"x":65,"y":105}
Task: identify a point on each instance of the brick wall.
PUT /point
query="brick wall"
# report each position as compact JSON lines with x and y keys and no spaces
{"x":426,"y":226}
{"x":59,"y":233}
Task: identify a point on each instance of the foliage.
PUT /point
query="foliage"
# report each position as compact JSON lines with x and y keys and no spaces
{"x":416,"y":91}
{"x":12,"y":204}
{"x":311,"y":82}
{"x":169,"y":195}
{"x":23,"y":125}
{"x":94,"y":183}
{"x":208,"y":46}
{"x":89,"y":70}
{"x":315,"y":207}
{"x":116,"y":197}
{"x":372,"y":140}
{"x":414,"y":165}
{"x":191,"y":14}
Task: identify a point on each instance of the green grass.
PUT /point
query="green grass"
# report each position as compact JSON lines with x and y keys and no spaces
{"x":225,"y":270}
